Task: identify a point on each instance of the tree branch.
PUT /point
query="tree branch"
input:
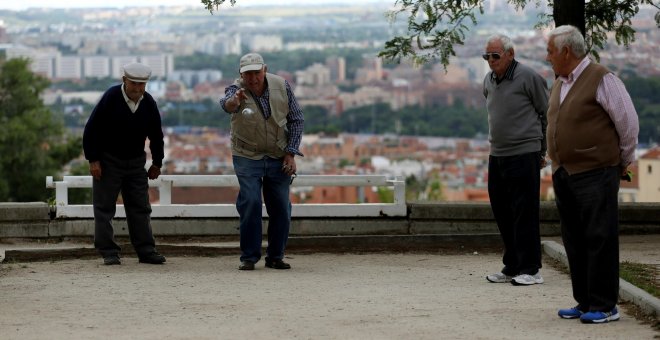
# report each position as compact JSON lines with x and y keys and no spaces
{"x":214,"y":5}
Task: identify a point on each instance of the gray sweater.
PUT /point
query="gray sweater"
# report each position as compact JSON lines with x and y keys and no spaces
{"x":517,"y":111}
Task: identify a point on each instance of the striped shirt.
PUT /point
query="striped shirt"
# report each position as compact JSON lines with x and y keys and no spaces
{"x":615,"y":100}
{"x":294,"y":119}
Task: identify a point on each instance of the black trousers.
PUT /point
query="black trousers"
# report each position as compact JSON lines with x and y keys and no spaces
{"x":130,"y":178}
{"x":514,"y":189}
{"x":589,"y":214}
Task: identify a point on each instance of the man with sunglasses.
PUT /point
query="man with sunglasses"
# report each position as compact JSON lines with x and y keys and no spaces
{"x":517,"y":101}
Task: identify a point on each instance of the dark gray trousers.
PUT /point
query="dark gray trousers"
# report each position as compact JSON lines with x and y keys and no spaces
{"x":589,"y":213}
{"x":514,"y":189}
{"x":130,"y":178}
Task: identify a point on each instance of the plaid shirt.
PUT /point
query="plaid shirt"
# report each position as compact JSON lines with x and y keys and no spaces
{"x":294,"y":119}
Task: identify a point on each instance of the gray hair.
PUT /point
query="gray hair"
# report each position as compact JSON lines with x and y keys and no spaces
{"x":507,"y":44}
{"x":570,"y":36}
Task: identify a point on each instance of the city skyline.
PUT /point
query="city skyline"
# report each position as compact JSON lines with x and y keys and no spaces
{"x":23,"y":5}
{"x":371,"y":118}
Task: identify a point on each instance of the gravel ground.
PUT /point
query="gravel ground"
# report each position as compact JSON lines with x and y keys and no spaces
{"x":324,"y":296}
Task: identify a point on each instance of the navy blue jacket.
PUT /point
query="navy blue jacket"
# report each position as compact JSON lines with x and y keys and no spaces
{"x":112,"y":128}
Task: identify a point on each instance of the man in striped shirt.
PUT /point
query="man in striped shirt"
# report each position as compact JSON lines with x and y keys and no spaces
{"x":592,"y":135}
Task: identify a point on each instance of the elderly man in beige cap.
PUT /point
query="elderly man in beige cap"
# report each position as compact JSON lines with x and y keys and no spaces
{"x":266,"y":130}
{"x":113,"y":142}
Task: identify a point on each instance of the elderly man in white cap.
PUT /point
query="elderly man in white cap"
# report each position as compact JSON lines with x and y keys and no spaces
{"x":113,"y":142}
{"x":266,"y":130}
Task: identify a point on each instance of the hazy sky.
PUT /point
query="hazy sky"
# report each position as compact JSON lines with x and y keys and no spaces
{"x":23,"y":4}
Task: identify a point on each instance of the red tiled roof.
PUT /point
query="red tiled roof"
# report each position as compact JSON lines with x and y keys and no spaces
{"x":652,"y":154}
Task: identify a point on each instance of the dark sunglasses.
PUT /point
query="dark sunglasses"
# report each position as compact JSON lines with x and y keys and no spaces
{"x":495,"y":55}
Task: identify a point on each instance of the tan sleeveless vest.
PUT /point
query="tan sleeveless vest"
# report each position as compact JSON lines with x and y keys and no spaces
{"x":253,"y":136}
{"x":581,"y":136}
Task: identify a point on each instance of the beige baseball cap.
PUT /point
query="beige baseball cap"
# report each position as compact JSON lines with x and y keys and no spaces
{"x":251,"y":62}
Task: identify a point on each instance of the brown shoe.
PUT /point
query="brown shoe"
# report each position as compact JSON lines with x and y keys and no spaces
{"x":277,"y":264}
{"x":246,"y":265}
{"x":152,"y":258}
{"x":111,"y":260}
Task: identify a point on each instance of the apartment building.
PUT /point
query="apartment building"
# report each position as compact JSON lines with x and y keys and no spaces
{"x":68,"y":67}
{"x":52,"y":64}
{"x":96,"y":67}
{"x":648,"y":172}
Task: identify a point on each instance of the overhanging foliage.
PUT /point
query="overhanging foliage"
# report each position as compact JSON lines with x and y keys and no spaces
{"x":436,"y":26}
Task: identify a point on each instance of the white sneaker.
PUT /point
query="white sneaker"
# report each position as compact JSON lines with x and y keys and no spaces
{"x":499,"y":278}
{"x":526,"y":279}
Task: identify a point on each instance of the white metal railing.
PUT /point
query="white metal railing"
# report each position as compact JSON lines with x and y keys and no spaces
{"x":165,"y":208}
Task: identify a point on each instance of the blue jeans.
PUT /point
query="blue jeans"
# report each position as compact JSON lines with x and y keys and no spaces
{"x":254,"y":177}
{"x":589,"y":213}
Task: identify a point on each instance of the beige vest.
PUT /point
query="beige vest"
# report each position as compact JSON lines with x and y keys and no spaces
{"x":253,"y":136}
{"x":581,"y":135}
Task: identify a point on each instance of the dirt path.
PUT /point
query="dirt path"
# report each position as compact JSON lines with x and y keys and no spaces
{"x":324,"y":296}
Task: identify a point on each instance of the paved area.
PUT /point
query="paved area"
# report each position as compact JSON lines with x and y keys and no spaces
{"x":324,"y":296}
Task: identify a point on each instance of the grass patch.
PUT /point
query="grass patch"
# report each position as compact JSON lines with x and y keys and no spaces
{"x":643,"y":276}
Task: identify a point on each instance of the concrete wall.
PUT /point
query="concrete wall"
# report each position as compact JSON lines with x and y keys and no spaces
{"x":33,"y":220}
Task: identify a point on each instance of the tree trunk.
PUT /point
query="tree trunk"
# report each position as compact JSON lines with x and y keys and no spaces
{"x":569,"y":12}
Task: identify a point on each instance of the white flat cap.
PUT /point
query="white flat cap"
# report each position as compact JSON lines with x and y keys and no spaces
{"x":251,"y":62}
{"x":137,"y":72}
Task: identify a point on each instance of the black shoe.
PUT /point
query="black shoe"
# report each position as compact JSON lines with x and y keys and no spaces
{"x":246,"y":265}
{"x":277,"y":264}
{"x":152,"y":258}
{"x":111,"y":260}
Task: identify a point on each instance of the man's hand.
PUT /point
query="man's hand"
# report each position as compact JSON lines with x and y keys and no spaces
{"x":544,"y":162}
{"x":95,"y":169}
{"x":235,"y":101}
{"x":626,"y":175}
{"x":153,"y":172}
{"x":289,"y":165}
